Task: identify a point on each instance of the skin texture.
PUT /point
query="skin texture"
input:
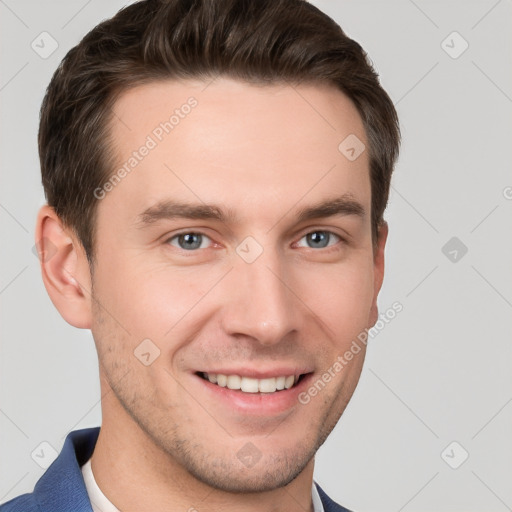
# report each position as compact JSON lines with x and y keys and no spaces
{"x":263,"y":152}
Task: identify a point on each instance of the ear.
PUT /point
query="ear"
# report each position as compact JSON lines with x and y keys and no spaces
{"x":378,"y":272}
{"x":64,"y":267}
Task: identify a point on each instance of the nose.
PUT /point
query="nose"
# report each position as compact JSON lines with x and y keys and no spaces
{"x":261,"y":302}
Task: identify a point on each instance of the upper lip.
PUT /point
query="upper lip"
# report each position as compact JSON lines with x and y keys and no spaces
{"x":259,"y":373}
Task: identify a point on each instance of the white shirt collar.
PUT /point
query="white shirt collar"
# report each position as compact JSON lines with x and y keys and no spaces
{"x":317,"y":502}
{"x":100,"y":503}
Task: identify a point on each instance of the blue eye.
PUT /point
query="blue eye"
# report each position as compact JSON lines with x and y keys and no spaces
{"x":189,"y":241}
{"x":320,"y":239}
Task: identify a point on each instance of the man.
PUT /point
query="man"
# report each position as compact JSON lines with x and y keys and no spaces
{"x":216,"y":174}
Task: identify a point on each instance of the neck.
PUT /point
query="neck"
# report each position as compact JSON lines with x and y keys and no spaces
{"x":137,"y":475}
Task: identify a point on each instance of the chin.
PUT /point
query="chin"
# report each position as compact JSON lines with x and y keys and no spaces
{"x":268,"y":474}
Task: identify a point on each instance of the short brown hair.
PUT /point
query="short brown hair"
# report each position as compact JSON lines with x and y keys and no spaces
{"x":268,"y":41}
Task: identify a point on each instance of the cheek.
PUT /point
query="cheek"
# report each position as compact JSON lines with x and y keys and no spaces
{"x":342,"y":295}
{"x":149,"y":301}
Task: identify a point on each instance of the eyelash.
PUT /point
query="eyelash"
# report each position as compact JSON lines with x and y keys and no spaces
{"x":328,"y":248}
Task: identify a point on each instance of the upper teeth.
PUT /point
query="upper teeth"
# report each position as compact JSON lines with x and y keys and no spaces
{"x":250,"y":385}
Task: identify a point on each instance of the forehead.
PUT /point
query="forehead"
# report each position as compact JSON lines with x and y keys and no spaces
{"x":256,"y":148}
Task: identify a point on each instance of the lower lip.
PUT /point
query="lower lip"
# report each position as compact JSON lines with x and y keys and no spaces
{"x":258,"y":404}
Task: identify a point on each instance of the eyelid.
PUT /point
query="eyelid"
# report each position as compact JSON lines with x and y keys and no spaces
{"x":339,"y":232}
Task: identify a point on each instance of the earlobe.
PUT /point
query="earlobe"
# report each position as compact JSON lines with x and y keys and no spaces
{"x":64,"y":267}
{"x":378,"y":272}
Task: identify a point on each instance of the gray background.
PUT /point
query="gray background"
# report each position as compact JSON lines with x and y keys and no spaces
{"x":439,"y":372}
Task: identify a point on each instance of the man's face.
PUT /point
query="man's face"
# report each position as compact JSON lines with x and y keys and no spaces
{"x":261,"y":293}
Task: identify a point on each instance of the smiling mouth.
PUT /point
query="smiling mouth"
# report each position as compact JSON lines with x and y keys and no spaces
{"x":252,"y":385}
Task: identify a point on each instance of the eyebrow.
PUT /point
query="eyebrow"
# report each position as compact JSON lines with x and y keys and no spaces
{"x":171,"y":209}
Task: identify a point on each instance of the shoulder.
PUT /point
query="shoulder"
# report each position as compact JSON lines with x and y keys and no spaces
{"x":61,"y":488}
{"x":329,"y":505}
{"x":23,"y":503}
